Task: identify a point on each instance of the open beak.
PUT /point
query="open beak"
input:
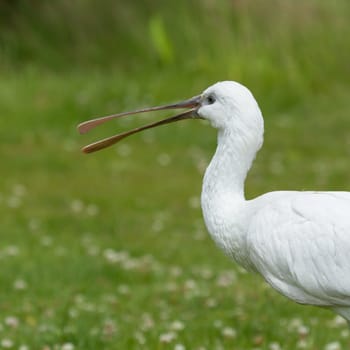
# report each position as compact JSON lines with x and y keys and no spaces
{"x":84,"y":127}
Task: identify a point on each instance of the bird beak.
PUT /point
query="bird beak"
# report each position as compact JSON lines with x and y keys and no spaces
{"x":84,"y":127}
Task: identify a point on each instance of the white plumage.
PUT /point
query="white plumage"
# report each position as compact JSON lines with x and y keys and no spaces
{"x":298,"y":241}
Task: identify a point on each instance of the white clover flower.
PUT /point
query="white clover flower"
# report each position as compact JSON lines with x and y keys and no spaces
{"x":114,"y":256}
{"x":217,"y":323}
{"x":147,"y":322}
{"x":139,"y":336}
{"x":77,"y":206}
{"x":19,"y":190}
{"x":337,"y":321}
{"x":20,"y":284}
{"x":67,"y":346}
{"x":167,"y":337}
{"x":211,"y":302}
{"x":274,"y":346}
{"x":124,"y":289}
{"x":12,"y":250}
{"x":333,"y":346}
{"x":226,"y":279}
{"x":294,"y":324}
{"x":344,"y":333}
{"x":176,"y":271}
{"x":11,"y":321}
{"x":109,"y":328}
{"x":179,"y":347}
{"x":46,"y":241}
{"x":177,"y":326}
{"x":23,"y":347}
{"x":7,"y":343}
{"x":190,"y":284}
{"x":303,"y":330}
{"x":14,"y":202}
{"x":229,"y":332}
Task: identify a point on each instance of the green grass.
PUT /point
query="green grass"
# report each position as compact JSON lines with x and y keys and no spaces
{"x":109,"y":251}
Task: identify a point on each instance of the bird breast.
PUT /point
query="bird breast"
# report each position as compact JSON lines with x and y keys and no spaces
{"x":225,"y":217}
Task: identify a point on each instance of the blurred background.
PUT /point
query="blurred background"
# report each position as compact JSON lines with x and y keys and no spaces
{"x":109,"y":250}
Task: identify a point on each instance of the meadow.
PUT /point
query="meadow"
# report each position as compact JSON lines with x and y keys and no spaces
{"x":109,"y":250}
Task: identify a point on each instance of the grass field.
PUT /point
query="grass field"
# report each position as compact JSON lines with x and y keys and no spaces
{"x":109,"y":251}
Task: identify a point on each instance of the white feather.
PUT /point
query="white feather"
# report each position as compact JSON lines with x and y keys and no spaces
{"x":298,"y":241}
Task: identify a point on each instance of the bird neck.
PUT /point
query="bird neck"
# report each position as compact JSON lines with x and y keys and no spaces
{"x":223,"y":200}
{"x":227,"y":171}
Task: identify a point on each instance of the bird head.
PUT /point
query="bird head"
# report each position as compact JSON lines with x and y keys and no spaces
{"x":227,"y":105}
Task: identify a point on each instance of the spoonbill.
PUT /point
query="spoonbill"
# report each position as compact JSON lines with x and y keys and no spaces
{"x":299,"y":241}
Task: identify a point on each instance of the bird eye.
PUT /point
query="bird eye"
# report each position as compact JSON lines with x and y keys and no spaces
{"x":210,"y":99}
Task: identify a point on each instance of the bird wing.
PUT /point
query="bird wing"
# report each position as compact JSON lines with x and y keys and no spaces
{"x":300,"y":243}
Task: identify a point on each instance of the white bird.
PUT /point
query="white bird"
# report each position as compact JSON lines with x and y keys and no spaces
{"x":298,"y":241}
